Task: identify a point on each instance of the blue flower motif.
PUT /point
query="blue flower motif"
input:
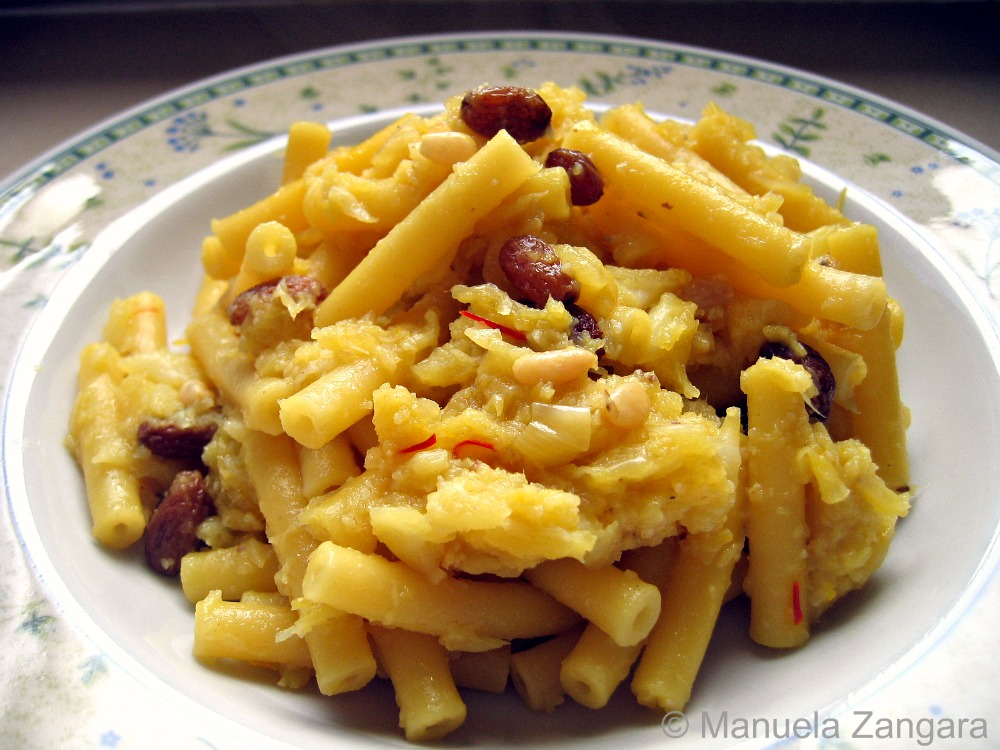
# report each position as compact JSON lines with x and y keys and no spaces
{"x":978,"y":217}
{"x":640,"y":75}
{"x":187,"y":132}
{"x":110,"y":738}
{"x":929,"y":167}
{"x":105,"y":171}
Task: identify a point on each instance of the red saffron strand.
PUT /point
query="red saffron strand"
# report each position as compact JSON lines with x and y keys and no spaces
{"x":506,"y":330}
{"x":796,"y":604}
{"x":421,"y":445}
{"x":471,"y":441}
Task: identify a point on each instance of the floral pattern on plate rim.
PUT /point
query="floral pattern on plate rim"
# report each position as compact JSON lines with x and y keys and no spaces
{"x":120,"y":165}
{"x":947,"y":186}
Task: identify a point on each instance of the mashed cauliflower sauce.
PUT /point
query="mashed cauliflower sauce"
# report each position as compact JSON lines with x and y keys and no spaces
{"x":509,"y":395}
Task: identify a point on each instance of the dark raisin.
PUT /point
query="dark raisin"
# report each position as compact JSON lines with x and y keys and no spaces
{"x":171,"y":531}
{"x":169,"y":440}
{"x":302,"y":289}
{"x":779,"y":349}
{"x":583,"y":323}
{"x":585,"y":183}
{"x":534,"y":270}
{"x":240,"y":308}
{"x":813,"y":363}
{"x":521,"y":112}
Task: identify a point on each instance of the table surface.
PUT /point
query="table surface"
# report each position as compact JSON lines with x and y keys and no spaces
{"x":67,"y":67}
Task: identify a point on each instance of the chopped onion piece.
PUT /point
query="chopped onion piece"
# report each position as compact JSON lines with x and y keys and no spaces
{"x":556,"y":434}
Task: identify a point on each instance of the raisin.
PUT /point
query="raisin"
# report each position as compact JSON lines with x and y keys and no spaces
{"x":586,"y":186}
{"x":583,"y":323}
{"x":240,"y":308}
{"x":812,"y":361}
{"x":302,"y":289}
{"x":521,"y":112}
{"x":779,"y":349}
{"x":534,"y":270}
{"x":171,"y":531}
{"x":169,"y":440}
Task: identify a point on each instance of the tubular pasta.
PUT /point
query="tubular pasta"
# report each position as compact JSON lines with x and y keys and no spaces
{"x":776,"y":522}
{"x":617,"y":601}
{"x":116,"y":508}
{"x":429,"y":704}
{"x":465,"y":615}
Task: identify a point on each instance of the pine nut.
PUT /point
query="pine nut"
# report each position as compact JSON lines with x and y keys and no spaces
{"x":447,"y":148}
{"x":628,"y":405}
{"x":193,"y":391}
{"x":558,"y":366}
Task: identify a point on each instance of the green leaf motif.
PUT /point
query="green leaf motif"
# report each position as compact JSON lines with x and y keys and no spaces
{"x":876,"y":158}
{"x":36,"y":623}
{"x":254,"y":135}
{"x":22,"y":249}
{"x":796,"y":131}
{"x":602,"y":83}
{"x":247,"y":130}
{"x":433,"y":76}
{"x":93,"y":668}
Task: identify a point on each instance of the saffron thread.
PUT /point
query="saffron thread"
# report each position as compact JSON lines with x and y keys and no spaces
{"x":506,"y":330}
{"x":471,"y":442}
{"x":797,"y":616}
{"x":420,"y":446}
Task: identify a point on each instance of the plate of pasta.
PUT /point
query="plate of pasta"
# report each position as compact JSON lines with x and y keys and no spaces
{"x":529,"y":409}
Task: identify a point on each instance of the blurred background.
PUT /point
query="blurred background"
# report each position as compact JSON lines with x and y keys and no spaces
{"x":66,"y":65}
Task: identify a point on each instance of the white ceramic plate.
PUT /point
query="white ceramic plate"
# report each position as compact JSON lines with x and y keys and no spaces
{"x":107,"y":215}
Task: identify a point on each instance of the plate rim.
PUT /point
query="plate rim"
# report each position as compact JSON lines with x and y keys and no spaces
{"x":37,"y":167}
